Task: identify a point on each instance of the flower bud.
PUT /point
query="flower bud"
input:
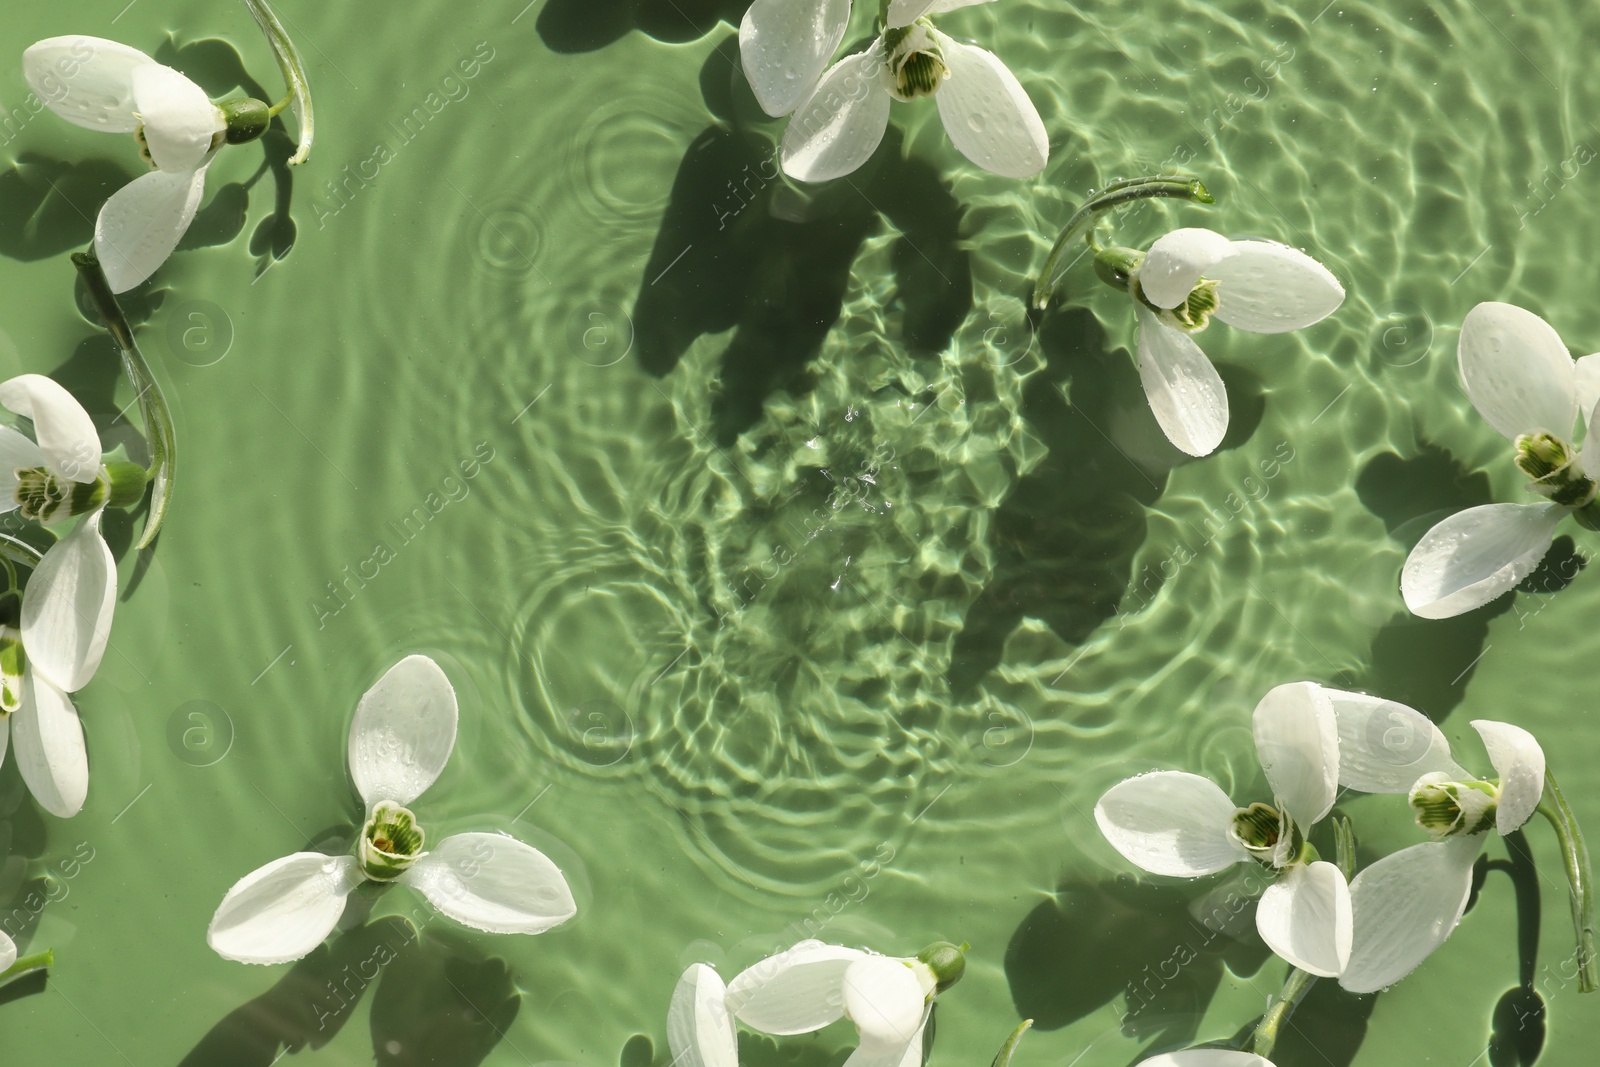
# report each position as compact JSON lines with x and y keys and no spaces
{"x":391,"y":841}
{"x":947,"y":962}
{"x":1453,"y":809}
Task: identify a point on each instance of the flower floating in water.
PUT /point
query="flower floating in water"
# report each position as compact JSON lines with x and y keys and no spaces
{"x":841,"y":114}
{"x":1191,"y":276}
{"x":813,"y":984}
{"x":1183,"y":825}
{"x":402,"y":735}
{"x":1522,"y":380}
{"x":67,"y":606}
{"x":1406,"y":904}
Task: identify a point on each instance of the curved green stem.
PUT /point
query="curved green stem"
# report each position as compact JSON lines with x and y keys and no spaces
{"x":1009,"y":1049}
{"x":294,"y":76}
{"x":152,"y":404}
{"x":32,"y":962}
{"x":1295,"y":988}
{"x":1118,"y":193}
{"x":1575,"y":854}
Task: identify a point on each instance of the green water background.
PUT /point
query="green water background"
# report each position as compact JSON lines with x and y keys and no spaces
{"x":726,"y":706}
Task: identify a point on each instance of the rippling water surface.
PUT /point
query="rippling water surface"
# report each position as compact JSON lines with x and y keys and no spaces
{"x":788,"y":579}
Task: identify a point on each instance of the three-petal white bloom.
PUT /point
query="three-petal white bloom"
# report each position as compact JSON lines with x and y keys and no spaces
{"x":1183,"y":825}
{"x":69,"y":600}
{"x":1190,"y":276}
{"x":1522,"y":380}
{"x":103,"y":85}
{"x":841,"y":114}
{"x":402,"y":735}
{"x":1407,"y":903}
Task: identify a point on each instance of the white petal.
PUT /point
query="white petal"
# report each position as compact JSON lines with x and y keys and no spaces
{"x":700,"y":1030}
{"x":1516,"y":371}
{"x":1170,"y":822}
{"x":1475,"y":556}
{"x":1267,"y":287}
{"x":8,"y":951}
{"x":1185,"y":391}
{"x":1177,"y":261}
{"x":67,"y":607}
{"x":143,"y":222}
{"x":1206,"y":1057}
{"x":794,"y":992}
{"x":905,"y":12}
{"x":785,"y":46}
{"x":402,"y":733}
{"x":48,"y":739}
{"x":180,"y":121}
{"x":494,"y":883}
{"x":68,"y":442}
{"x":1297,"y":739}
{"x":1519,"y":762}
{"x":1384,"y":747}
{"x":16,"y":453}
{"x":282,"y":911}
{"x":838,"y":127}
{"x":885,"y":1001}
{"x":987,"y":113}
{"x":1404,"y":906}
{"x":1305,"y":917}
{"x":86,"y":80}
{"x":1586,"y":382}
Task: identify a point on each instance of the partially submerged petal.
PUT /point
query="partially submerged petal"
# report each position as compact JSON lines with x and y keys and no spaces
{"x":8,"y":952}
{"x":988,"y":115}
{"x":1170,"y":822}
{"x":1519,"y":762}
{"x":16,"y":453}
{"x":1185,"y":391}
{"x":785,"y":45}
{"x":1305,"y":917}
{"x":283,"y":910}
{"x":1384,"y":746}
{"x":1297,"y":739}
{"x":69,"y":445}
{"x":180,"y":121}
{"x":1177,"y":261}
{"x":67,"y":607}
{"x":402,"y":733}
{"x":885,"y":1001}
{"x":700,"y":1030}
{"x":1586,"y":380}
{"x":48,"y":739}
{"x":1206,"y":1057}
{"x":838,"y":127}
{"x":1475,"y":556}
{"x":86,"y":80}
{"x":905,"y":12}
{"x":1404,"y":906}
{"x":494,"y":883}
{"x":794,"y":992}
{"x":1516,"y":371}
{"x":143,"y":222}
{"x":1267,"y":287}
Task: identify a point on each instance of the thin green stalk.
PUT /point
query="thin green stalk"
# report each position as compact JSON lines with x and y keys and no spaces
{"x":294,"y":76}
{"x":24,"y":964}
{"x":1009,"y":1049}
{"x":1295,"y":988}
{"x":1118,"y":193}
{"x":152,"y":404}
{"x":1575,"y":854}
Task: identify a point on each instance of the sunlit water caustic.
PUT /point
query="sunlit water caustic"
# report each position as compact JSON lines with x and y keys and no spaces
{"x":793,"y":581}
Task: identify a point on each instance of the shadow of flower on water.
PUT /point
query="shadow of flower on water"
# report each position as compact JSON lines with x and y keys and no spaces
{"x":23,"y":894}
{"x":587,"y":25}
{"x":742,"y":248}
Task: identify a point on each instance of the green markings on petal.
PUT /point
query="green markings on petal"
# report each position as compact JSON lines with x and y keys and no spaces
{"x":1194,"y":314}
{"x":1453,"y":809}
{"x":1268,"y":834}
{"x":45,"y":498}
{"x":1553,"y":467}
{"x":916,"y":62}
{"x":391,"y":841}
{"x":13,"y":661}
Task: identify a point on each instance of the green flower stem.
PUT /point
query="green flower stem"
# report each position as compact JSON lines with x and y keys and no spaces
{"x":1009,"y":1049}
{"x":24,"y":964}
{"x":294,"y":76}
{"x":1295,"y":988}
{"x":152,"y":404}
{"x":1580,"y":881}
{"x":1118,"y":193}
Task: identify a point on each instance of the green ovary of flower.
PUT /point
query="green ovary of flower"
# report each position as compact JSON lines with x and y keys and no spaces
{"x":1446,"y":808}
{"x":1554,"y":469}
{"x":391,"y":841}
